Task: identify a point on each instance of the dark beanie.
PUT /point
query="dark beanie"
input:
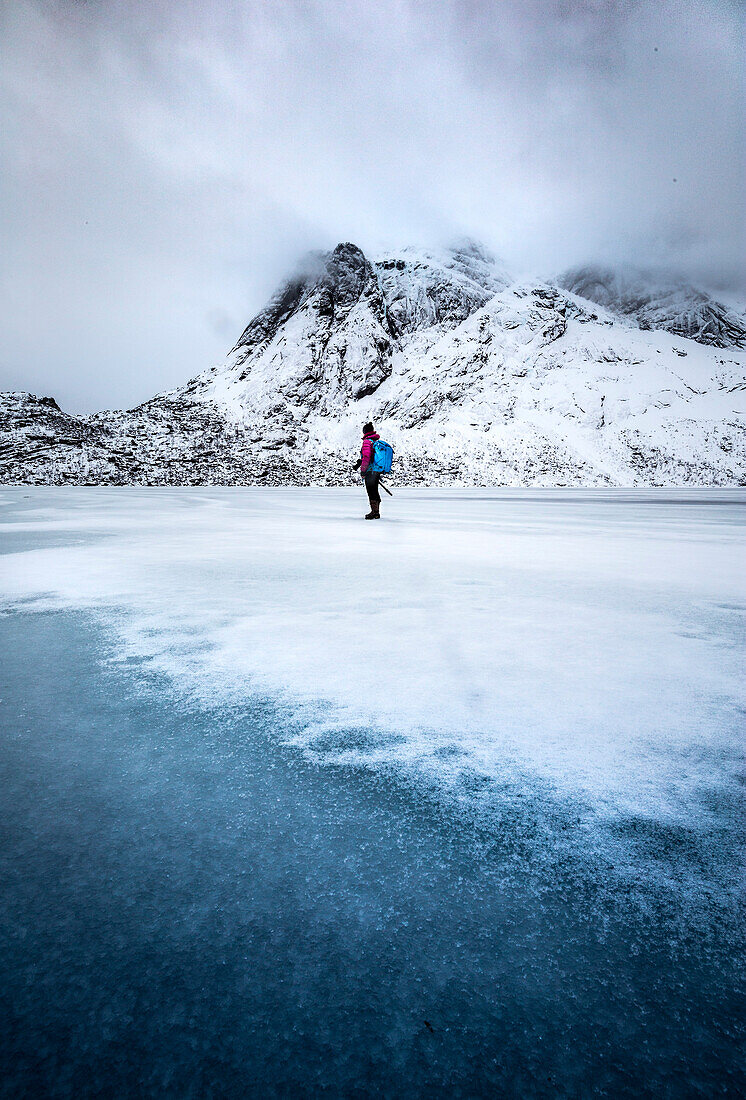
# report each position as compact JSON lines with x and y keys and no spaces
{"x":368,"y":428}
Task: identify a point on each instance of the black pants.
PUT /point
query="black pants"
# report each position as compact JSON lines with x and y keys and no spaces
{"x":371,"y":484}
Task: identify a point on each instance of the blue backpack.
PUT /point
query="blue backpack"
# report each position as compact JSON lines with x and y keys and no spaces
{"x":381,"y":458}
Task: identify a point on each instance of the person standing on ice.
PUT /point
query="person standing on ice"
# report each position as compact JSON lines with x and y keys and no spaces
{"x":370,"y":435}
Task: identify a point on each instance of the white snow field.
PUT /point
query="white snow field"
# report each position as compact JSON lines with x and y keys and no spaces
{"x":584,"y":643}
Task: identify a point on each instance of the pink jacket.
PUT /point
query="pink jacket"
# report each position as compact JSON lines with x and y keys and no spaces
{"x":366,"y":454}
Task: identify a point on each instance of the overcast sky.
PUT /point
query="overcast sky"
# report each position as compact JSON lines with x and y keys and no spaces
{"x":164,"y":164}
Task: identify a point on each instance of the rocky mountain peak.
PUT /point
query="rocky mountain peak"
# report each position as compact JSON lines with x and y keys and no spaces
{"x":442,"y":287}
{"x":331,"y":281}
{"x":658,"y":300}
{"x":347,"y":276}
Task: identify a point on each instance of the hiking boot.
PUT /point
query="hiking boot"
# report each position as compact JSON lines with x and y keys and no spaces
{"x":374,"y":512}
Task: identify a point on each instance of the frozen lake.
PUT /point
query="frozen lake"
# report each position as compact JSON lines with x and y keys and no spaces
{"x":446,"y":804}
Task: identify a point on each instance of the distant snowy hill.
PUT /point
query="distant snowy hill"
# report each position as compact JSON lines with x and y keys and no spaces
{"x":598,"y":378}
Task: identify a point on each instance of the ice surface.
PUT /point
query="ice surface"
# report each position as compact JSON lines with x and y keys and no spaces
{"x":520,"y":878}
{"x":591,"y":641}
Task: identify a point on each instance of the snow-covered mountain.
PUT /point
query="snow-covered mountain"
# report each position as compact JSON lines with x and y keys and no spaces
{"x":599,"y":377}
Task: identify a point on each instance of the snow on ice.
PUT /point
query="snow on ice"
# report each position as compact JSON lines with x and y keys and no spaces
{"x":588,"y":641}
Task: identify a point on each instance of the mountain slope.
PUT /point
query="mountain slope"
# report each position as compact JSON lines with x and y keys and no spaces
{"x":474,"y":378}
